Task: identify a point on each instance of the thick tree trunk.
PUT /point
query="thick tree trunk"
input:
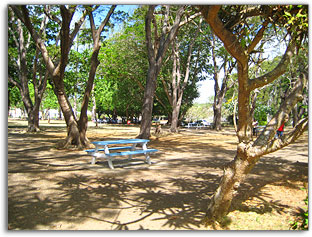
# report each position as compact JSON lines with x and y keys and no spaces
{"x":147,"y":108}
{"x":237,"y":170}
{"x":175,"y":119}
{"x":33,"y":120}
{"x":73,"y":137}
{"x":233,"y":175}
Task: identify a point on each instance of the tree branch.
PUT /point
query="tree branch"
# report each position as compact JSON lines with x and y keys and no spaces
{"x":281,"y":116}
{"x":277,"y":71}
{"x":258,"y":37}
{"x":104,"y":22}
{"x":77,"y":27}
{"x":23,"y":15}
{"x":188,"y":19}
{"x":47,"y":12}
{"x":165,"y":41}
{"x":231,"y":43}
{"x":287,"y":139}
{"x":15,"y":83}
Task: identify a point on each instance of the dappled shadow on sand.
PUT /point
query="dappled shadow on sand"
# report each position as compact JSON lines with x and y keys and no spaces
{"x":49,"y":188}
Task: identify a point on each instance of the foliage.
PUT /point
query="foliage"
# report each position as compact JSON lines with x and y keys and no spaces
{"x":302,"y":220}
{"x":199,"y":111}
{"x":122,"y":70}
{"x":49,"y":100}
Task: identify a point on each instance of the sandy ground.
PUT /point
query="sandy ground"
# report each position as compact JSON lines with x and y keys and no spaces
{"x":51,"y":189}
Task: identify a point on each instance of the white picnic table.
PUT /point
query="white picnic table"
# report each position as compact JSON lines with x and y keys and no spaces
{"x":259,"y":129}
{"x":131,"y":146}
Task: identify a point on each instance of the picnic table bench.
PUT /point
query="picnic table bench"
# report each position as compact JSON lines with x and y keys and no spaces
{"x":105,"y":146}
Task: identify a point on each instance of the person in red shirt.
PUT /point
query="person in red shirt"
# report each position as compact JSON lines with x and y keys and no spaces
{"x":280,"y":130}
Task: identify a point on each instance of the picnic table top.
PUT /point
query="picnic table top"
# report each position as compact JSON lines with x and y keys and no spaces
{"x":122,"y":141}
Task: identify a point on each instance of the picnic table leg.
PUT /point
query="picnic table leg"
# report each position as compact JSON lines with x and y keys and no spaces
{"x":110,"y":163}
{"x":147,"y":159}
{"x":132,"y":149}
{"x":109,"y":160}
{"x":93,"y":156}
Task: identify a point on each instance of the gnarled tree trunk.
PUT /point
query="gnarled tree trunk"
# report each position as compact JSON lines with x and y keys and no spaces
{"x":249,"y":152}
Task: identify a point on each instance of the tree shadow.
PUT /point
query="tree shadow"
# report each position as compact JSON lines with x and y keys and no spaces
{"x":101,"y":198}
{"x":79,"y":192}
{"x":270,"y":170}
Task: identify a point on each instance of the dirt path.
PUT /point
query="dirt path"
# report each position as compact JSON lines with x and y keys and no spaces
{"x":60,"y":190}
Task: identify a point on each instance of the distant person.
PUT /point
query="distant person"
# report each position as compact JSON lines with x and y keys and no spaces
{"x":254,"y":127}
{"x":280,"y":131}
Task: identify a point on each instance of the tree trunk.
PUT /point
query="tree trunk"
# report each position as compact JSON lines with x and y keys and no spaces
{"x":156,"y":51}
{"x":33,"y":119}
{"x":249,"y":152}
{"x":22,"y":68}
{"x":175,"y":118}
{"x":177,"y":84}
{"x":83,"y":120}
{"x":147,"y":108}
{"x":217,"y":117}
{"x":73,"y":137}
{"x":94,"y":117}
{"x":174,"y":85}
{"x":233,"y":175}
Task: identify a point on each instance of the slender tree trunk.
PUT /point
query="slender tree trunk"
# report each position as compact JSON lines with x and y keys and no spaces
{"x":31,"y":108}
{"x":174,"y":85}
{"x":94,"y":117}
{"x":156,"y":51}
{"x":177,"y":84}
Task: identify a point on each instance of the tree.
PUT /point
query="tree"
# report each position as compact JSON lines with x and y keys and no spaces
{"x":120,"y":87}
{"x":156,"y":48}
{"x":230,"y":25}
{"x":76,"y":129}
{"x":96,"y":33}
{"x":20,"y":66}
{"x":179,"y":83}
{"x":227,"y":66}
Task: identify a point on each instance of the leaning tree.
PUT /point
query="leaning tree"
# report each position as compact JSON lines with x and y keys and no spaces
{"x":234,"y":26}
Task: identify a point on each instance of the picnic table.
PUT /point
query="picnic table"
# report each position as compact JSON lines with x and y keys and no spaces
{"x":258,"y":129}
{"x":130,"y":146}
